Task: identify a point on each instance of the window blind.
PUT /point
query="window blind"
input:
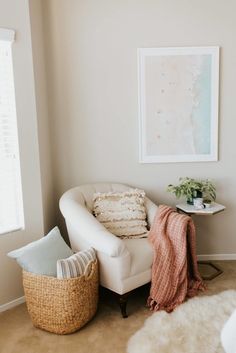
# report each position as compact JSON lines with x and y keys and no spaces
{"x":11,"y":205}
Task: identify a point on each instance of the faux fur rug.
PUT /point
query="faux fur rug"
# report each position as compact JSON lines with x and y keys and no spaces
{"x":194,"y":327}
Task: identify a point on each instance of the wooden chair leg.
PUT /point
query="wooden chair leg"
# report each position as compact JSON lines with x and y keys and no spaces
{"x":123,"y":303}
{"x":122,"y":299}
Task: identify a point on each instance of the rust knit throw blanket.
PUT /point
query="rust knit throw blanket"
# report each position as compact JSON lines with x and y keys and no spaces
{"x":175,"y":274}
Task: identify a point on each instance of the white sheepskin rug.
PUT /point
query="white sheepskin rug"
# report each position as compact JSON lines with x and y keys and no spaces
{"x":194,"y":327}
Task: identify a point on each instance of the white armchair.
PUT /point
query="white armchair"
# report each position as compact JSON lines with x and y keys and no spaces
{"x":124,"y":264}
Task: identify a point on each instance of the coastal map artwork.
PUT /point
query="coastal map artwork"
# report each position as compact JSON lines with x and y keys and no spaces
{"x":178,"y":97}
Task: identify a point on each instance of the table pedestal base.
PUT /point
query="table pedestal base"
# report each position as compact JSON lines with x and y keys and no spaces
{"x":217,"y":272}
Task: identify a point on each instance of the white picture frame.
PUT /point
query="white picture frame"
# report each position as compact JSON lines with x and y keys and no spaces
{"x":178,"y":92}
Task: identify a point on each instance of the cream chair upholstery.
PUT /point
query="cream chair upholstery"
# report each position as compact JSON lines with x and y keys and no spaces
{"x":124,"y":264}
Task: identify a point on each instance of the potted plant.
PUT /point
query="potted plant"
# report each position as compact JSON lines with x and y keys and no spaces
{"x":208,"y":191}
{"x":207,"y":203}
{"x":192,"y":188}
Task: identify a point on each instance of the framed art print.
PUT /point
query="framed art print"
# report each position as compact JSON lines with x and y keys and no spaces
{"x":178,"y":104}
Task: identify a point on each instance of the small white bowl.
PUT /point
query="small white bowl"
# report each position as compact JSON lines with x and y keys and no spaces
{"x":207,"y":205}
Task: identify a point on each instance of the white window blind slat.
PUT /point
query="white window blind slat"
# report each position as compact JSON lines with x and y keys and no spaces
{"x":11,"y":205}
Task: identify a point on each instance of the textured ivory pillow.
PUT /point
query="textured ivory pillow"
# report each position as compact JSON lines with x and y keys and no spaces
{"x":75,"y":265}
{"x":123,"y":214}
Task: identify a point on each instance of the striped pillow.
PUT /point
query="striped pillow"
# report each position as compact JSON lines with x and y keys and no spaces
{"x":75,"y":265}
{"x":123,"y":214}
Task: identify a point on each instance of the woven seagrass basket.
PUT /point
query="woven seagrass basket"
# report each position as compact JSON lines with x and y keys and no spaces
{"x":61,"y":306}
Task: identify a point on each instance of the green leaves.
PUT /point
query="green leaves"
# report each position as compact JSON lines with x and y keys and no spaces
{"x":209,"y":190}
{"x":189,"y":188}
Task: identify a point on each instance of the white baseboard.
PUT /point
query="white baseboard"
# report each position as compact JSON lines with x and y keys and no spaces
{"x":216,"y":257}
{"x":12,"y":304}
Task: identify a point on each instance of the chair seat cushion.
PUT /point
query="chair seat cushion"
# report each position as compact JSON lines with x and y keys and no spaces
{"x":141,"y":254}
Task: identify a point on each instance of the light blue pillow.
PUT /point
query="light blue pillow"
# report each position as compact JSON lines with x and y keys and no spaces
{"x":41,"y":255}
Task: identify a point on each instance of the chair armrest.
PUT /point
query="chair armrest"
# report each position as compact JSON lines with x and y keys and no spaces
{"x":90,"y":229}
{"x":151,"y":210}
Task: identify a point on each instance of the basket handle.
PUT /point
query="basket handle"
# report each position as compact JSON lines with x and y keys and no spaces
{"x":89,"y":270}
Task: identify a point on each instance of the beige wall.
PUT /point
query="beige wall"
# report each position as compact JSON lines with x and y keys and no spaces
{"x":14,"y":14}
{"x":40,"y":79}
{"x":92,"y":70}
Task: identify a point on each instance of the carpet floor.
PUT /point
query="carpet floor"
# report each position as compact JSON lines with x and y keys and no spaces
{"x":107,"y":332}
